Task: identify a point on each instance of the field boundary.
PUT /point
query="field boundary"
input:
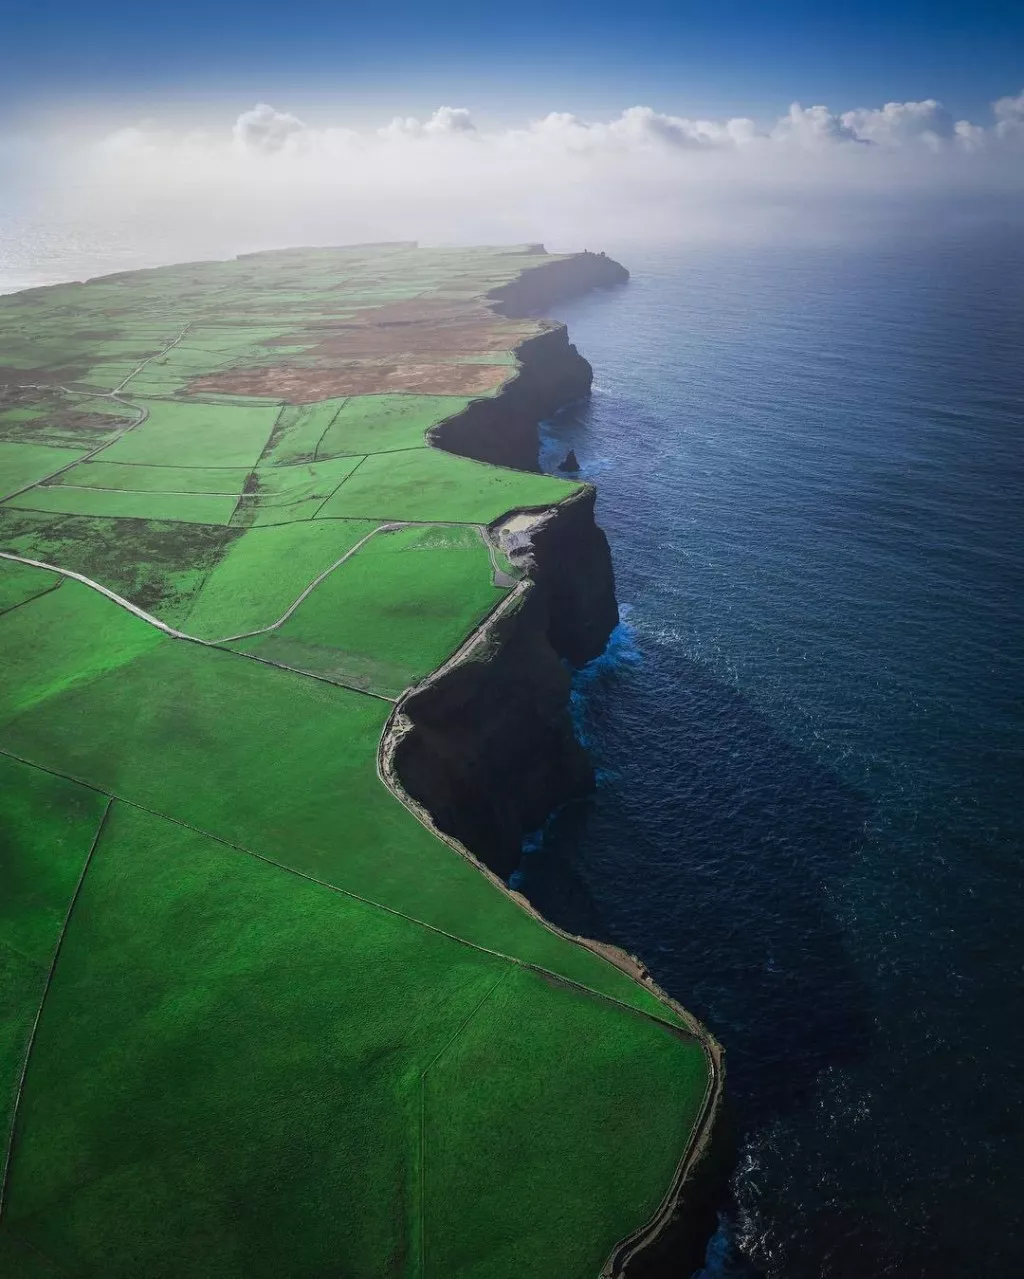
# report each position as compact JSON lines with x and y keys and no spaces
{"x":540,"y":969}
{"x":115,"y":395}
{"x":423,"y":1116}
{"x":9,"y":1147}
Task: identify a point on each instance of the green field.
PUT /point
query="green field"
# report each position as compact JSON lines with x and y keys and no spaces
{"x":265,"y":571}
{"x":207,"y":435}
{"x":137,"y":477}
{"x":22,"y":465}
{"x":382,"y":423}
{"x":430,"y":486}
{"x":391,"y":613}
{"x":256,"y":1017}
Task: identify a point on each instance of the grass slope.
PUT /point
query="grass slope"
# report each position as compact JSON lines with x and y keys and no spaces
{"x":149,"y":1019}
{"x":265,"y":571}
{"x":236,"y":748}
{"x":221,"y":435}
{"x":382,"y":423}
{"x":428,"y":485}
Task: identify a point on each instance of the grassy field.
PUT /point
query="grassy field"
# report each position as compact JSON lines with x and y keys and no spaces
{"x":138,"y":477}
{"x":207,"y":435}
{"x":24,"y":464}
{"x":160,"y":565}
{"x":49,"y":825}
{"x":382,"y":423}
{"x":19,"y":583}
{"x":265,"y":571}
{"x":391,"y":613}
{"x":255,"y":1018}
{"x":430,"y":486}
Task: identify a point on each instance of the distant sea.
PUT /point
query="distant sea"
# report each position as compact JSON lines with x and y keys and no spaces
{"x":810,"y":728}
{"x":808,"y":725}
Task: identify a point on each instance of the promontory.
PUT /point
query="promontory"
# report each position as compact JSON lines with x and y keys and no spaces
{"x":287,"y":622}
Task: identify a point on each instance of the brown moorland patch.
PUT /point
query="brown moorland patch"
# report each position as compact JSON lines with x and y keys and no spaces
{"x":298,"y":385}
{"x":414,"y":339}
{"x":9,"y":374}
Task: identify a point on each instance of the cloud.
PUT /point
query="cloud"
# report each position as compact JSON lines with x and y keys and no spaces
{"x":445,"y":120}
{"x":899,"y":123}
{"x":270,"y":178}
{"x":640,"y":128}
{"x":264,"y":129}
{"x":812,"y":127}
{"x":1009,"y":113}
{"x":925,"y":124}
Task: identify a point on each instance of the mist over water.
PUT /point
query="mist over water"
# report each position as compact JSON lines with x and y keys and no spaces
{"x":809,"y":727}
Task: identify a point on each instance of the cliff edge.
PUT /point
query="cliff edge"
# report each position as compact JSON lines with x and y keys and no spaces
{"x":489,"y":747}
{"x":484,"y":749}
{"x":502,"y":429}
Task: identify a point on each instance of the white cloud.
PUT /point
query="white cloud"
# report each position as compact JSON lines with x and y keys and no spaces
{"x":898,"y":123}
{"x":1009,"y":113}
{"x":926,"y":124}
{"x":812,"y":127}
{"x":445,"y":120}
{"x":264,"y":129}
{"x":270,"y":178}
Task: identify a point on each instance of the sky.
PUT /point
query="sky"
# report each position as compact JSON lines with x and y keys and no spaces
{"x":745,"y":57}
{"x":225,"y":126}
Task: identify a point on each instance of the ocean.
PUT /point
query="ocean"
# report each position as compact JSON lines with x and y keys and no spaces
{"x":809,"y":727}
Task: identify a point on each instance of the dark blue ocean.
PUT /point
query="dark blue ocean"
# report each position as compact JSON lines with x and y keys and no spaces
{"x":810,"y":728}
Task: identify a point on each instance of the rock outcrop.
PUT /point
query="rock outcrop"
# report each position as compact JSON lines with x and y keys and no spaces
{"x":490,"y":750}
{"x":540,"y":288}
{"x":488,"y":745}
{"x":502,"y":429}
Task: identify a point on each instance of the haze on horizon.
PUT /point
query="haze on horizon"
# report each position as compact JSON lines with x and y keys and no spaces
{"x":585,"y":127}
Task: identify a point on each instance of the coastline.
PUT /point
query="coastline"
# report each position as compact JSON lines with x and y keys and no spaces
{"x":682,"y":1220}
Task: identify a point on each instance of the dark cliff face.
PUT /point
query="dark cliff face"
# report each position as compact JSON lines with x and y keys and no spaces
{"x":572,"y":566}
{"x":491,"y":750}
{"x":502,"y":430}
{"x":537,"y":290}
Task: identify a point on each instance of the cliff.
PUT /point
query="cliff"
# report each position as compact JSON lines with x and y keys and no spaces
{"x":503,"y":428}
{"x":488,"y":745}
{"x":485,"y":748}
{"x":489,"y":749}
{"x":540,"y":288}
{"x":552,"y":373}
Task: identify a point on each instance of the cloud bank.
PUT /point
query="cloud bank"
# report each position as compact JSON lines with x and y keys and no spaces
{"x":272,"y":178}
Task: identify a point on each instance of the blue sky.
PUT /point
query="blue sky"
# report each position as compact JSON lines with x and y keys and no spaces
{"x":748,"y":56}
